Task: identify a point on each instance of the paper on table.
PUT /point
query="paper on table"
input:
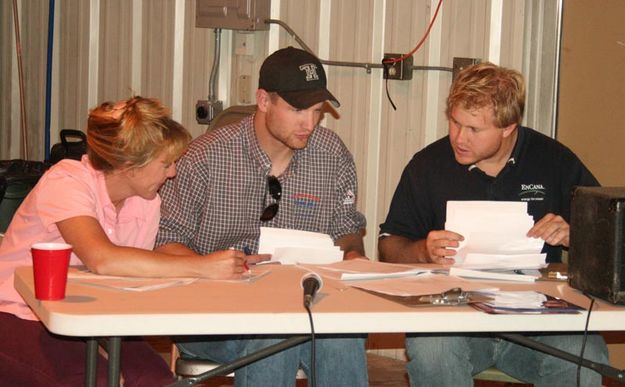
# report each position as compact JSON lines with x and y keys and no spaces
{"x":133,"y":284}
{"x":495,"y":234}
{"x":296,"y":246}
{"x":524,"y":302}
{"x":516,"y":299}
{"x":270,"y":238}
{"x":375,"y":276}
{"x":82,"y":276}
{"x":419,"y":286}
{"x":504,"y":262}
{"x":294,"y":255}
{"x":362,"y":269}
{"x":411,"y":285}
{"x":491,"y":275}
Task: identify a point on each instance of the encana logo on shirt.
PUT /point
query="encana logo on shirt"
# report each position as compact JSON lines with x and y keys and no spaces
{"x":532,"y":192}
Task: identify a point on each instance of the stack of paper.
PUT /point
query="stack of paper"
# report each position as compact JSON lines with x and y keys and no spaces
{"x":524,"y":302}
{"x":494,"y":235}
{"x":493,"y":275}
{"x":518,"y":299}
{"x":296,"y":246}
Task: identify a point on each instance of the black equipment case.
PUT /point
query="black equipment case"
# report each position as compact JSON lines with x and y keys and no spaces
{"x":72,"y":146}
{"x":19,"y":176}
{"x":597,"y":243}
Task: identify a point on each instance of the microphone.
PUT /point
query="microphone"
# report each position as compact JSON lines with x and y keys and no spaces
{"x":311,"y":283}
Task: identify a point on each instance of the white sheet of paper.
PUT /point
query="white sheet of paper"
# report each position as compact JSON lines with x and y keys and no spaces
{"x":361,"y":267}
{"x":296,"y":246}
{"x":377,"y":276}
{"x":270,"y":238}
{"x":295,"y":255}
{"x":82,"y":276}
{"x":516,"y":299}
{"x":495,"y":235}
{"x":487,"y":275}
{"x":501,"y":261}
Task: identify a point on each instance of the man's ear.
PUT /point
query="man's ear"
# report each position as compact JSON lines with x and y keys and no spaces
{"x":508,"y":130}
{"x":263,"y":99}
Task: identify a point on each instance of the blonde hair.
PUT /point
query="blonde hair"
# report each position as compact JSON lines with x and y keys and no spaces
{"x":485,"y":84}
{"x":132,"y":133}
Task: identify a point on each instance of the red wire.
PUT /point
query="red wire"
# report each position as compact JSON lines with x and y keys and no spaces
{"x":427,"y":33}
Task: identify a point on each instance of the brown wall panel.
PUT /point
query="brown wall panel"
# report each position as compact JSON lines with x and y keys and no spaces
{"x":592,"y":91}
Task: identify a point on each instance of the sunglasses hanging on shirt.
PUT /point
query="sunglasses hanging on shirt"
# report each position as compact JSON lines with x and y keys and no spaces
{"x":275,"y":190}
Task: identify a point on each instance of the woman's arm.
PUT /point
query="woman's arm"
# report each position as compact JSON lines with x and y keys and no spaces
{"x":101,"y":256}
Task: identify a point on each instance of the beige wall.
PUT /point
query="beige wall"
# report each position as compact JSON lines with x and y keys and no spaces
{"x":591,"y":118}
{"x":111,"y":49}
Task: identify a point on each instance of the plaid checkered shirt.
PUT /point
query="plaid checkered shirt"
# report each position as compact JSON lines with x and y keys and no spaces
{"x":216,"y":199}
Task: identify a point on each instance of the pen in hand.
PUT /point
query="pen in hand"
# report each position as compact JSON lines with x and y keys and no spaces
{"x":247,"y":251}
{"x":254,"y":259}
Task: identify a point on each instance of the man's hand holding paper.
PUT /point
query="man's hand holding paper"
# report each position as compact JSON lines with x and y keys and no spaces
{"x":441,"y":246}
{"x":553,"y":229}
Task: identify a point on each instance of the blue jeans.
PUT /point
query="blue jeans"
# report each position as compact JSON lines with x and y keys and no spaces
{"x":340,"y":360}
{"x":451,"y":360}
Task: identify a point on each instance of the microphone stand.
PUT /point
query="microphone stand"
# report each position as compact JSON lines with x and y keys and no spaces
{"x":602,"y":369}
{"x":225,"y":369}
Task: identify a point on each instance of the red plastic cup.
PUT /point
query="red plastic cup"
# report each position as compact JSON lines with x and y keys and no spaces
{"x":50,"y":264}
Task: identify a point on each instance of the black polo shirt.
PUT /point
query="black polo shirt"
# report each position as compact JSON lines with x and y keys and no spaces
{"x":540,"y":171}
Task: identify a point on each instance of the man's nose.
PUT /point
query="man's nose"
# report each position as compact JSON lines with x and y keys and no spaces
{"x":309,"y":119}
{"x":460,"y":135}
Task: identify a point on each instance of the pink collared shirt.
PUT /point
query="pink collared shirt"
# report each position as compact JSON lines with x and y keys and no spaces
{"x":69,"y":189}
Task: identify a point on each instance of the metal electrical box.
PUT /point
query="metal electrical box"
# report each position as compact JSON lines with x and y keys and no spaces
{"x":461,"y":63}
{"x":401,"y":70}
{"x":247,"y":15}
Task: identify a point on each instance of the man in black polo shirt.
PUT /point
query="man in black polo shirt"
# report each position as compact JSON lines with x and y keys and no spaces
{"x":486,"y":156}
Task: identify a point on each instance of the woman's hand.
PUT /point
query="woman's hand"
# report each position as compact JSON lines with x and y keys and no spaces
{"x":229,"y":264}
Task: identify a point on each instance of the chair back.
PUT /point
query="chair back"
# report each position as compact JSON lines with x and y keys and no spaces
{"x":183,"y":367}
{"x":231,"y":115}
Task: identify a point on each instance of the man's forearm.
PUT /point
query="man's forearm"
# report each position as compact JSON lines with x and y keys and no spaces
{"x":352,"y":246}
{"x":397,"y":249}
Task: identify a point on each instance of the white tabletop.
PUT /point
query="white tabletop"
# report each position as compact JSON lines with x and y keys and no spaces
{"x":273,"y":305}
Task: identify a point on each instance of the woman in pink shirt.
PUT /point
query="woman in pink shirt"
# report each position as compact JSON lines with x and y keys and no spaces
{"x":108,"y":208}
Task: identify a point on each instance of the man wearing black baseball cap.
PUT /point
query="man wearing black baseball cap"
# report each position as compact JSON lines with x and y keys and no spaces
{"x":297,"y":76}
{"x":277,"y":168}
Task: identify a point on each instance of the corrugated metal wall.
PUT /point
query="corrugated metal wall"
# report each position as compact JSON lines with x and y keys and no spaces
{"x":111,"y":49}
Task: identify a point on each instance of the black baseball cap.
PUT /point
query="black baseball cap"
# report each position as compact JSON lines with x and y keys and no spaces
{"x":297,"y":76}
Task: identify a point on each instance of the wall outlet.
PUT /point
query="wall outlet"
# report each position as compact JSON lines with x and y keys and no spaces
{"x":398,"y":70}
{"x":460,"y":63}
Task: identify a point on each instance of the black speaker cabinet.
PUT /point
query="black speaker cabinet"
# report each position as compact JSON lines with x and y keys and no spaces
{"x":597,"y":243}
